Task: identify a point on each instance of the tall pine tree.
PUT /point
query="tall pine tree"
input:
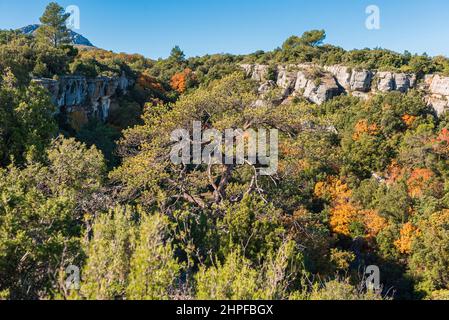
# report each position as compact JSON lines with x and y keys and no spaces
{"x":53,"y":28}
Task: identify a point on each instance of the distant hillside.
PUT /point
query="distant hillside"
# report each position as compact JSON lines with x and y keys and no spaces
{"x":77,"y":39}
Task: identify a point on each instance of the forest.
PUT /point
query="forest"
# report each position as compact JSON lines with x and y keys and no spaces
{"x":105,"y":197}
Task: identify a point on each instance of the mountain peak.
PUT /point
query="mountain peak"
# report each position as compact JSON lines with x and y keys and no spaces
{"x":76,"y":38}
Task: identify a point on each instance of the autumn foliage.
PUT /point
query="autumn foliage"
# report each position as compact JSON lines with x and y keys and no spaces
{"x":443,"y":137}
{"x":363,"y":127}
{"x":148,"y":82}
{"x":360,"y":182}
{"x":374,"y":222}
{"x":418,"y":181}
{"x":442,"y":142}
{"x":407,"y":235}
{"x":180,"y":81}
{"x":408,"y":120}
{"x":344,"y":212}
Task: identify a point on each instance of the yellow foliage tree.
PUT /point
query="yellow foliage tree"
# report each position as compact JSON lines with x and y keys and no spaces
{"x":418,"y":181}
{"x":363,"y":127}
{"x":408,"y":120}
{"x":407,"y":234}
{"x":342,"y":211}
{"x":374,"y":223}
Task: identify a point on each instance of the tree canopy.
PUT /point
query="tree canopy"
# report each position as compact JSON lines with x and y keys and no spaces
{"x":359,"y":182}
{"x":53,"y":28}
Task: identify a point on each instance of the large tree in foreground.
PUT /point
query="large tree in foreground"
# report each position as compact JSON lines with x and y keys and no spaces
{"x":54,"y":29}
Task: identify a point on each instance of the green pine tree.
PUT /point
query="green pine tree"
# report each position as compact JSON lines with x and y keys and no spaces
{"x":54,"y":29}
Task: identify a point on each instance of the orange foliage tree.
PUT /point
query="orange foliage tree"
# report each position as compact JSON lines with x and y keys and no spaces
{"x":444,"y":136}
{"x":442,"y":142}
{"x":408,"y":120}
{"x":344,"y":212}
{"x":180,"y":81}
{"x":408,"y":233}
{"x":418,"y":181}
{"x":362,"y":127}
{"x":374,"y":223}
{"x":148,"y":82}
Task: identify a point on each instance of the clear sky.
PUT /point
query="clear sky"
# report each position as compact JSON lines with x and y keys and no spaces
{"x":153,"y":27}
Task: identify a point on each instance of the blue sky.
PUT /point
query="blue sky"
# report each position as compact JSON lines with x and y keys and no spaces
{"x":153,"y":27}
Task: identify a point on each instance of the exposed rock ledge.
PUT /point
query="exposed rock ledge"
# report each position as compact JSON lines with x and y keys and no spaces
{"x":437,"y":88}
{"x":91,"y":97}
{"x":319,"y":84}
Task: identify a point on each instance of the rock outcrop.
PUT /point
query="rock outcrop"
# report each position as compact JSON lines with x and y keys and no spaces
{"x":351,"y":80}
{"x":389,"y":81}
{"x":316,"y":88}
{"x":287,"y":78}
{"x":319,"y":84}
{"x":91,"y":97}
{"x":258,"y":72}
{"x":438,"y":89}
{"x":296,"y":80}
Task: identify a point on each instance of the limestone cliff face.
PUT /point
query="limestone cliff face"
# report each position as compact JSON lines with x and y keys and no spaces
{"x":438,"y":89}
{"x":317,"y":88}
{"x":319,"y":84}
{"x":89,"y":97}
{"x":295,"y":80}
{"x":351,"y":80}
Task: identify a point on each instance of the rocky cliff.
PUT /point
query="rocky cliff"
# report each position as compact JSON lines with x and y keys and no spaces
{"x":319,"y":84}
{"x":88,"y":98}
{"x":437,"y":88}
